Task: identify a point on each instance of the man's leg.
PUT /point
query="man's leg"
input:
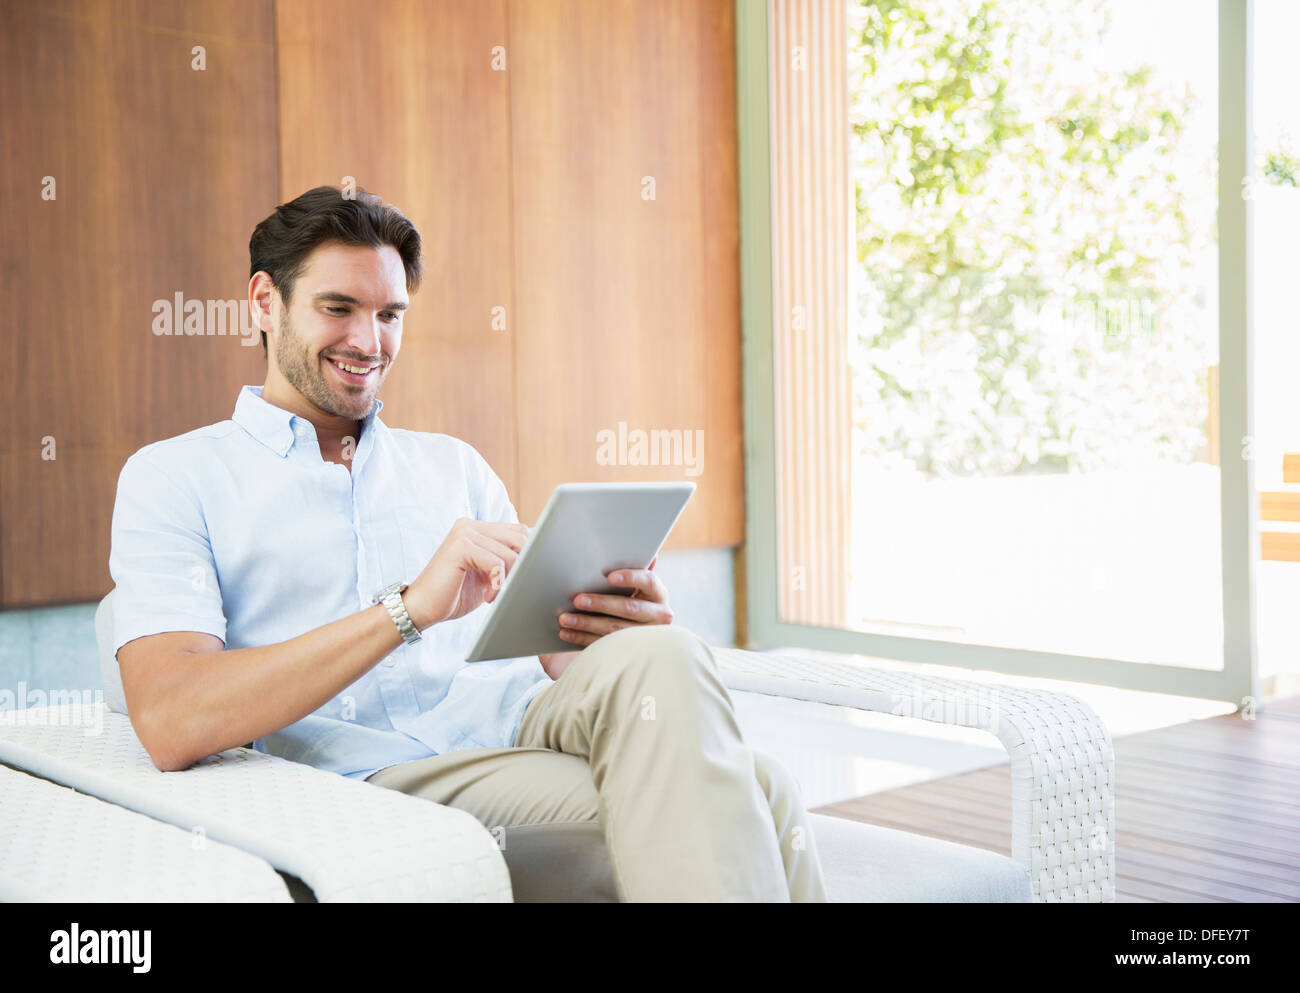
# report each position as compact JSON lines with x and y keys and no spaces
{"x":793,"y":830}
{"x":540,"y":806}
{"x":688,"y":811}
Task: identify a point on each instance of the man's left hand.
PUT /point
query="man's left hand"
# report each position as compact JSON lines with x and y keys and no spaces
{"x":610,"y":612}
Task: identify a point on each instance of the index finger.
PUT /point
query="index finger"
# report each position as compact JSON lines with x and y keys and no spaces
{"x":506,"y":532}
{"x":643,"y":580}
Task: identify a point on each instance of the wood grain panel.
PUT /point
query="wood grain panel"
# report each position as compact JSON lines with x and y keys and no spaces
{"x":627,"y":305}
{"x":57,"y":549}
{"x":1279,"y":506}
{"x":403,"y":97}
{"x":1279,"y":546}
{"x":624,"y":310}
{"x":161,"y":171}
{"x":1291,"y":468}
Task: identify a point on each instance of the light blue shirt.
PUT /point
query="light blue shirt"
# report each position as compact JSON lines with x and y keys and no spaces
{"x":242,"y":530}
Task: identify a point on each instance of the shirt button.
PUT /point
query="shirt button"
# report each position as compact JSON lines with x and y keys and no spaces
{"x":388,"y":663}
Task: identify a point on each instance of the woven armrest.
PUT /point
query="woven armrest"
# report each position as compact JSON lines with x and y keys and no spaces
{"x":346,"y":840}
{"x":1062,"y":760}
{"x":57,"y":845}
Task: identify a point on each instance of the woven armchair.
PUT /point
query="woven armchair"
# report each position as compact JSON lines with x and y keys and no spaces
{"x":334,"y":839}
{"x":1062,"y":759}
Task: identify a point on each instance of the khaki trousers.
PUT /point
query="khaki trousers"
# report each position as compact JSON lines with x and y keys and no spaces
{"x":637,"y":744}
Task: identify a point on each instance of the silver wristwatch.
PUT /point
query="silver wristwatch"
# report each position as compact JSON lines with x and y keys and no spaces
{"x":391,"y":598}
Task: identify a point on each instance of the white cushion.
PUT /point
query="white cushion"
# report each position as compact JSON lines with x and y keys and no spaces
{"x":866,"y":863}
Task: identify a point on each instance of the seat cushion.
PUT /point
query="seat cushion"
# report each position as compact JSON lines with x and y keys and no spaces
{"x":861,"y":863}
{"x":868,"y":863}
{"x":558,"y":863}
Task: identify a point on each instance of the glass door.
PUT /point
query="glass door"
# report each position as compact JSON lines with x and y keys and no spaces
{"x":1008,"y":423}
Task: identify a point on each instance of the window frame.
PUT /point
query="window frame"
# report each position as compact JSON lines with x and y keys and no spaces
{"x":1237,"y":680}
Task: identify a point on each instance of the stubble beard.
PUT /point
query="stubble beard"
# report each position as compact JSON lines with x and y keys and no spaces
{"x":305,"y":375}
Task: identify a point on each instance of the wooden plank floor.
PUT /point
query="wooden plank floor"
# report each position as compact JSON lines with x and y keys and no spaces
{"x":1207,"y":811}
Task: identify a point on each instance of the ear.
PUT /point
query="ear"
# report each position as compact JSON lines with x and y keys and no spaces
{"x":261,"y":296}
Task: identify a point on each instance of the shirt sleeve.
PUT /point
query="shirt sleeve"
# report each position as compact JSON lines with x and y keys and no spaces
{"x":161,"y":558}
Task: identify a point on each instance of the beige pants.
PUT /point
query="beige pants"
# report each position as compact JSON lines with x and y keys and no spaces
{"x":635,"y":745}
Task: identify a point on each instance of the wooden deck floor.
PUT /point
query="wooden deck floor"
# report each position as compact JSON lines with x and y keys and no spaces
{"x":1207,"y":811}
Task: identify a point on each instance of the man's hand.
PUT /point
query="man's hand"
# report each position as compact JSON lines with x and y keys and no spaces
{"x":606,"y":613}
{"x":647,"y":604}
{"x":466,"y":571}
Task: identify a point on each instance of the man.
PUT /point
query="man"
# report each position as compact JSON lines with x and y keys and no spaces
{"x":306,"y":578}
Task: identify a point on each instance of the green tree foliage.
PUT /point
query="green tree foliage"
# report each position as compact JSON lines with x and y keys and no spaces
{"x":1282,"y":168}
{"x":1029,"y":226}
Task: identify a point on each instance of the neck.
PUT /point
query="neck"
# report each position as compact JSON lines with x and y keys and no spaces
{"x":331,"y":429}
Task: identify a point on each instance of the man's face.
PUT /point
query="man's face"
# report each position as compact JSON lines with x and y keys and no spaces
{"x":346,"y":310}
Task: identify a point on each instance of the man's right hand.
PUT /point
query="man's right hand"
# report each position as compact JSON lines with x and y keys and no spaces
{"x":466,"y":571}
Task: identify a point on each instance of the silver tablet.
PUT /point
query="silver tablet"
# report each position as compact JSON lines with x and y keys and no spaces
{"x":586,"y":530}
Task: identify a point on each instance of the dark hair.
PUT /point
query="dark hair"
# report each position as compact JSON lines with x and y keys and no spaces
{"x":281,"y":243}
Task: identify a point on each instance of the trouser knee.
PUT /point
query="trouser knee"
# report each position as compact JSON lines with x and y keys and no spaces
{"x":775,"y":778}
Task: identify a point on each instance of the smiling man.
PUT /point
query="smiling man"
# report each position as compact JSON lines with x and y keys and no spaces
{"x":304,"y":577}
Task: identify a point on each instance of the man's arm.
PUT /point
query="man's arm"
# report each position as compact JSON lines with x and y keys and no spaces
{"x":555,"y":663}
{"x":189,"y":698}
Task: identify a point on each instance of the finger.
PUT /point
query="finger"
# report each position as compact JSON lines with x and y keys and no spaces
{"x":615,"y":605}
{"x":501,"y":552}
{"x":506,"y":532}
{"x":593,"y":623}
{"x":637,"y":610}
{"x":646,"y":583}
{"x":505,"y":552}
{"x":474,"y":557}
{"x":580,"y":639}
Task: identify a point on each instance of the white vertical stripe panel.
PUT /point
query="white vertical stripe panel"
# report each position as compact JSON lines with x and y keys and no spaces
{"x":812,"y":238}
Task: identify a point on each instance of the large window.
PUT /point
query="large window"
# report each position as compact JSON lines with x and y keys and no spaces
{"x":1005,"y":370}
{"x":1035,"y":325}
{"x":1274,"y":190}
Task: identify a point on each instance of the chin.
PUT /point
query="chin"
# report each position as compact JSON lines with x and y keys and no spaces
{"x":356,"y":407}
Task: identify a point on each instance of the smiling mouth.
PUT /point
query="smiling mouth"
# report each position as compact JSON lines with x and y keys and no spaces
{"x":352,"y":369}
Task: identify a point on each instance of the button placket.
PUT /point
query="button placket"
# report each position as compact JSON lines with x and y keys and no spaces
{"x":397,"y":692}
{"x":366,"y":573}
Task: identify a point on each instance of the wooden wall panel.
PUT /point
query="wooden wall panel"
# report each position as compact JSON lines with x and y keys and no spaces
{"x":161,"y":171}
{"x":403,"y":97}
{"x":526,"y":185}
{"x":627,"y":308}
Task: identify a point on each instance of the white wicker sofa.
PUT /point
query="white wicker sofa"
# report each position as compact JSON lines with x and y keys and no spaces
{"x":334,"y":839}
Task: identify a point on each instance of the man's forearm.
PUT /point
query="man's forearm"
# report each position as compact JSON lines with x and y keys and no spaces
{"x":555,"y":663}
{"x":208,"y":702}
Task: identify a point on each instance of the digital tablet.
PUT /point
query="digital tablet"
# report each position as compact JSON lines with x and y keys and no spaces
{"x":586,"y":530}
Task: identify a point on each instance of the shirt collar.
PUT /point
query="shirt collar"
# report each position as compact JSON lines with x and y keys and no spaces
{"x":274,"y":426}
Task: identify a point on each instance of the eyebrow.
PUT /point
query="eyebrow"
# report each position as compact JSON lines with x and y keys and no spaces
{"x":344,"y":298}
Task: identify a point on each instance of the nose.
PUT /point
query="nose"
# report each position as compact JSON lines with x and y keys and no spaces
{"x":365,"y":338}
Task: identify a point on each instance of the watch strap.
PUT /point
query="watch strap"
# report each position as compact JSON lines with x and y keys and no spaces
{"x":391,"y":598}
